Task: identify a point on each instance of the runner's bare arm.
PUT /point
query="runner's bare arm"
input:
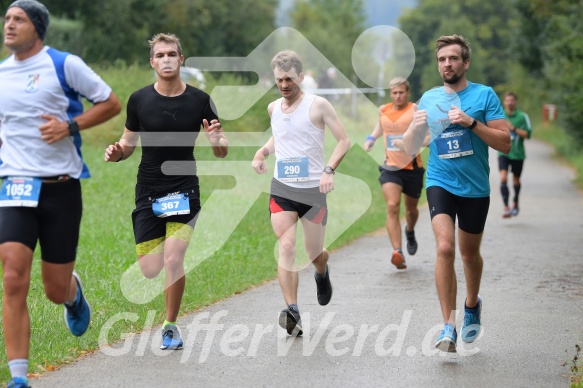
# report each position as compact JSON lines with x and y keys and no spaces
{"x":417,"y":135}
{"x":495,"y":133}
{"x":216,"y":136}
{"x":331,"y":120}
{"x":124,"y":148}
{"x":259,"y":163}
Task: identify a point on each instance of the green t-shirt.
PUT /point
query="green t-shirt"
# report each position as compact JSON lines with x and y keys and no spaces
{"x":519,"y":120}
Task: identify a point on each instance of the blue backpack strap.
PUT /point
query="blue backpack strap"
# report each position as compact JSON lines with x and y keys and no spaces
{"x":75,"y":104}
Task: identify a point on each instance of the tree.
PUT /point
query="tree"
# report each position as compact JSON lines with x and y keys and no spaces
{"x":119,"y":30}
{"x":485,"y":23}
{"x":332,"y":26}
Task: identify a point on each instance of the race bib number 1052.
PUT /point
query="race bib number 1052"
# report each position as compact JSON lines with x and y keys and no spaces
{"x":20,"y":191}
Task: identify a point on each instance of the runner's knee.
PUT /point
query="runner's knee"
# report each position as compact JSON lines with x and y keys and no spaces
{"x":287,"y":249}
{"x":393,"y":209}
{"x":15,"y":283}
{"x":151,"y":265}
{"x":445,"y":249}
{"x":57,"y":293}
{"x":174,"y":262}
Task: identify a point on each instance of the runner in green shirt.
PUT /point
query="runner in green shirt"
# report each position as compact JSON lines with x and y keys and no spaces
{"x":520,"y":129}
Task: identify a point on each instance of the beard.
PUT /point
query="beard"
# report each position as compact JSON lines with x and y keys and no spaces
{"x":453,"y":79}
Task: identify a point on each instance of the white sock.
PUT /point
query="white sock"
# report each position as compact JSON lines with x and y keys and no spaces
{"x":18,"y":367}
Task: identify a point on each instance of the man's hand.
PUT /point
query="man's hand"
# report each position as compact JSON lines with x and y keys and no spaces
{"x":419,"y":117}
{"x":214,"y":131}
{"x":457,"y":116}
{"x":326,"y":183}
{"x":368,"y":145}
{"x":113,"y":153}
{"x":398,"y":143}
{"x":259,"y":163}
{"x":53,"y":130}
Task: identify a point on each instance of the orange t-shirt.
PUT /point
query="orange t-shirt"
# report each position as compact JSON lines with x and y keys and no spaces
{"x":394,"y":124}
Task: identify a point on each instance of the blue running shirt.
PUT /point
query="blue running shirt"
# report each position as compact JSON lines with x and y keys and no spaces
{"x":467,"y":175}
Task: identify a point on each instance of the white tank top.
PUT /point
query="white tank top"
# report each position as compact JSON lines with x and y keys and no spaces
{"x":297,"y":142}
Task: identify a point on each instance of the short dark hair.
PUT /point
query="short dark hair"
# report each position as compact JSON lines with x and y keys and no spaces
{"x":511,"y":94}
{"x":448,"y":40}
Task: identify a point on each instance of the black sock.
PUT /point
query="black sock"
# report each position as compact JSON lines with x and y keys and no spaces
{"x":410,"y":235}
{"x":505,"y":193}
{"x":516,"y":192}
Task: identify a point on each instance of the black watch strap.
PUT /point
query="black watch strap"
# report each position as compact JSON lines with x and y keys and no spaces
{"x":73,"y":127}
{"x":473,"y":125}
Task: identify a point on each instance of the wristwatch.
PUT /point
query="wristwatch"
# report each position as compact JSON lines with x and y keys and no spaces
{"x":73,"y":127}
{"x":473,"y":124}
{"x":329,"y":170}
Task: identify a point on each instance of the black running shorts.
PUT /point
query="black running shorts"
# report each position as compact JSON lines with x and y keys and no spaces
{"x":55,"y":222}
{"x":410,"y":180}
{"x":148,"y":226}
{"x":515,"y":165}
{"x":472,"y":212}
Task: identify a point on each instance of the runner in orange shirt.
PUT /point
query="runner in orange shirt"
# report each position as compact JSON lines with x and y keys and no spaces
{"x":400,"y":172}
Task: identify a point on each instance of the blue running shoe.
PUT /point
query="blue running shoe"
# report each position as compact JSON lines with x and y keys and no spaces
{"x":471,"y":327}
{"x":447,"y":339}
{"x":78,"y":316}
{"x":171,"y":338}
{"x":18,"y":382}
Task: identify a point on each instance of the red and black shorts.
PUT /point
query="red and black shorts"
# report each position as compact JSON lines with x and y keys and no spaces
{"x":308,"y":203}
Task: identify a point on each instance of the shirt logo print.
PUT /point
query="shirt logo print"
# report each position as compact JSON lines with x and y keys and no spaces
{"x":165,"y":112}
{"x":32,"y":84}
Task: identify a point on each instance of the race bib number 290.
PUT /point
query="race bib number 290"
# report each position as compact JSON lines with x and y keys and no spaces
{"x":20,"y":191}
{"x":293,"y":169}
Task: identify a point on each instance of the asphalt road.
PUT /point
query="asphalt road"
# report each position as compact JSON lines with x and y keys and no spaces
{"x":381,"y":324}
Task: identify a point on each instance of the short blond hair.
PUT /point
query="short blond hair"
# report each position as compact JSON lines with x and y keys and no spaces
{"x":286,"y":60}
{"x":397,"y":81}
{"x":164,"y":38}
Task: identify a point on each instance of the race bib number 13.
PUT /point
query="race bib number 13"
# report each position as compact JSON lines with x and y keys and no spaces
{"x":454,"y":144}
{"x":20,"y":191}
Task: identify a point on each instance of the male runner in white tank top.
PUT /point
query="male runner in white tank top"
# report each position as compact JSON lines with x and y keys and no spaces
{"x":301,"y":179}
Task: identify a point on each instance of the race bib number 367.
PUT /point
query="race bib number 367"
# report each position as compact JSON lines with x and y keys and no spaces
{"x":171,"y":205}
{"x":20,"y":191}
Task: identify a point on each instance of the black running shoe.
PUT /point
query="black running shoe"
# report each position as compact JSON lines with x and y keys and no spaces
{"x":411,"y":242}
{"x":324,"y":287}
{"x":290,"y":320}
